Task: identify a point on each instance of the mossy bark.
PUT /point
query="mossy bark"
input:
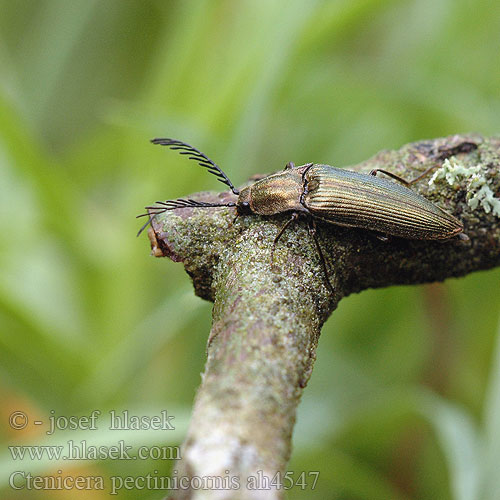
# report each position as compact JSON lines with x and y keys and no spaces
{"x":267,"y":318}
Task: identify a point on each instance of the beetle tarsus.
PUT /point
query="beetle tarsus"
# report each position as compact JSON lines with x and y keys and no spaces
{"x":313,"y":232}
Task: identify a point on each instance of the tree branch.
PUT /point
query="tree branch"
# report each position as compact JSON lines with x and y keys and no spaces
{"x":267,"y":318}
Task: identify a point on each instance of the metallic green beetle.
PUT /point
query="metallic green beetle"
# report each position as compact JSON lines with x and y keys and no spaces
{"x":330,"y":194}
{"x":348,"y":198}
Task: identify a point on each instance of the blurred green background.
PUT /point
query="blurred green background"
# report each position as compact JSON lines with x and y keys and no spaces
{"x":404,"y":402}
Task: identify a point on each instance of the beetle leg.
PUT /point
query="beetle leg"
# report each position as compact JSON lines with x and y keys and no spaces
{"x":312,"y":231}
{"x":375,"y":171}
{"x":400,"y":179}
{"x":294,"y":217}
{"x":423,"y":174}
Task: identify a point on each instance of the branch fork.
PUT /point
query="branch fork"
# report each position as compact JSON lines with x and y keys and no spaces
{"x":267,"y":318}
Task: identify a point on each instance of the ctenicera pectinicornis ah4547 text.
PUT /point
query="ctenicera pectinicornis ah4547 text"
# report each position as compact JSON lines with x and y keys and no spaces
{"x":329,"y":194}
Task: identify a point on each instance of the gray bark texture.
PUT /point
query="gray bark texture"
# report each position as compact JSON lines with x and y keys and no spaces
{"x":267,"y":317}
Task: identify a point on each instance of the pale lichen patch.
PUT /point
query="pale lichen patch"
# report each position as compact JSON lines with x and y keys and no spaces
{"x":484,"y":195}
{"x":478,"y":189}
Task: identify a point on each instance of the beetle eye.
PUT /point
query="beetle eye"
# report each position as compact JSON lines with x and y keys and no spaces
{"x":244,"y":208}
{"x":289,"y":165}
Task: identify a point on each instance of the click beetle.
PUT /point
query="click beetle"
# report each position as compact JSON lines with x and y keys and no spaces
{"x":326,"y":193}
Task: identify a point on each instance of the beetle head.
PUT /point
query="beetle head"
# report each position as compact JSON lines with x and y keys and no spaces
{"x":243,"y":205}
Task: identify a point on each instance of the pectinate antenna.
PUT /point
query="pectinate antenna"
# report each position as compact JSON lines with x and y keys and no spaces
{"x":164,"y":206}
{"x":199,"y":157}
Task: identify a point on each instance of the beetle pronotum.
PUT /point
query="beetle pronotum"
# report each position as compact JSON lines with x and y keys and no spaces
{"x":329,"y":194}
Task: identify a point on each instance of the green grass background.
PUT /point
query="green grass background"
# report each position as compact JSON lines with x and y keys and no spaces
{"x":404,"y":401}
